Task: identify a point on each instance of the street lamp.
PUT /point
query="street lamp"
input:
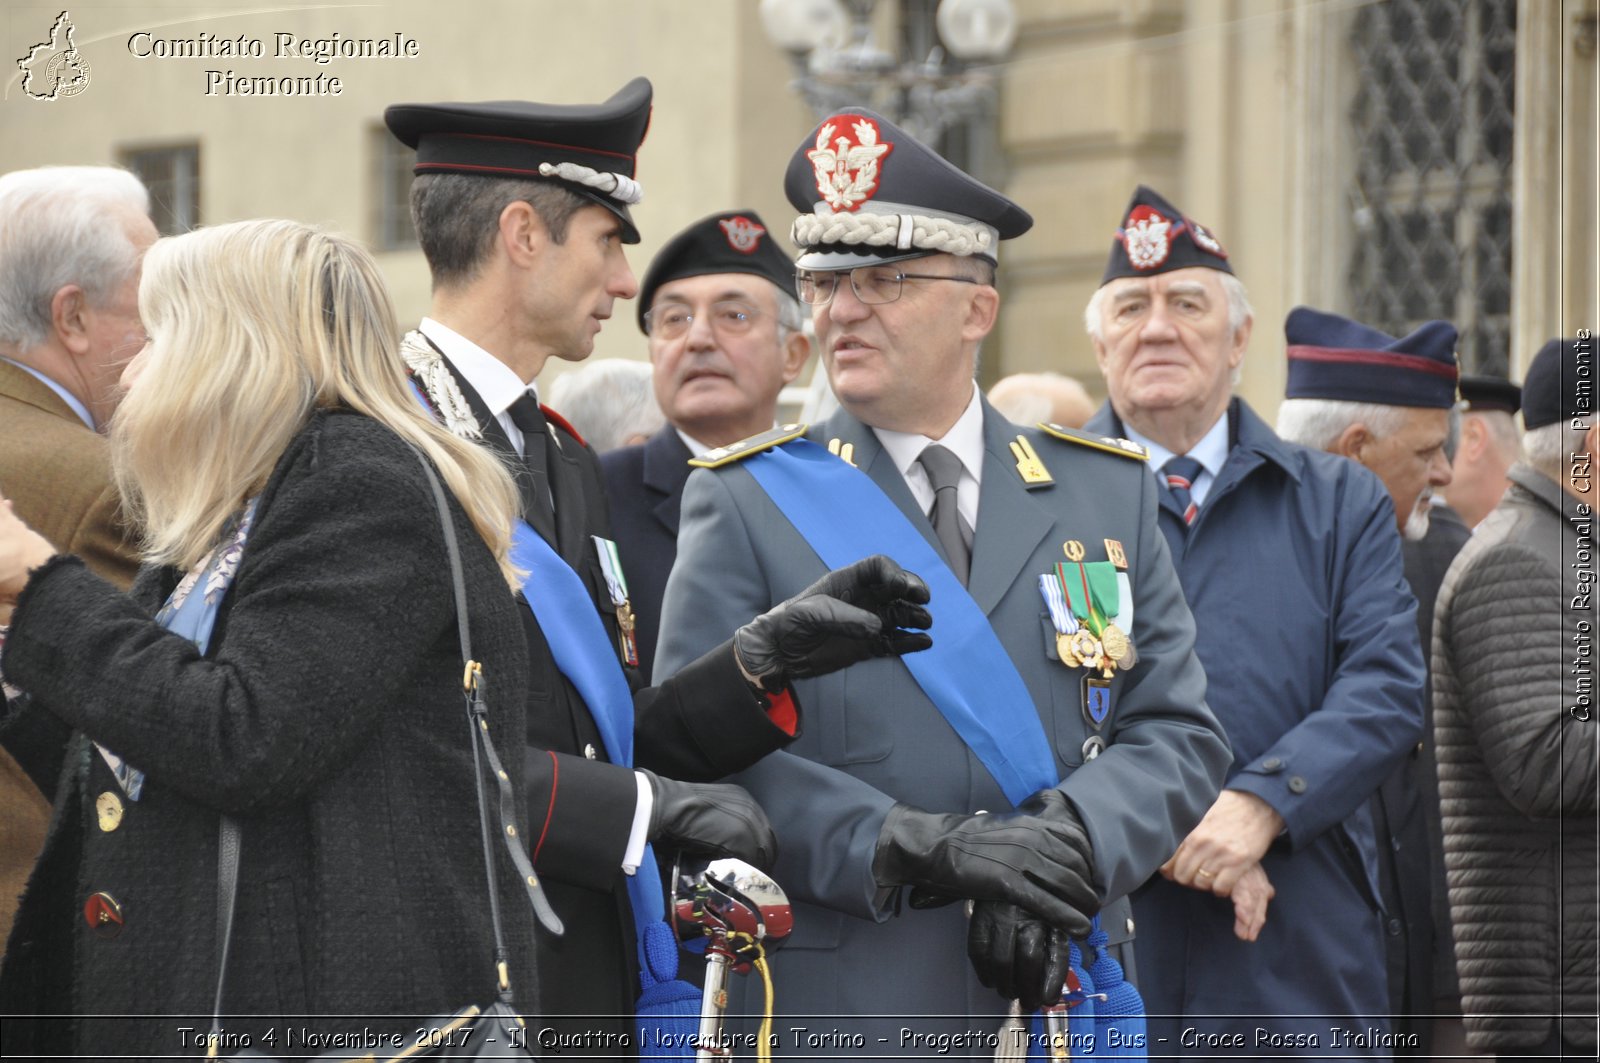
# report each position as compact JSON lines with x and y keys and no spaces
{"x":839,"y":64}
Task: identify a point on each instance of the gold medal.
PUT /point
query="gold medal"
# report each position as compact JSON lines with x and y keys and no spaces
{"x":1065,"y":652}
{"x":1116,"y":643}
{"x":625,"y":626}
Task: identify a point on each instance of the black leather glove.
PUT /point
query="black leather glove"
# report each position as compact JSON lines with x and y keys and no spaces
{"x":711,"y":819}
{"x":1017,"y":953}
{"x":1038,"y":857}
{"x":873,"y":608}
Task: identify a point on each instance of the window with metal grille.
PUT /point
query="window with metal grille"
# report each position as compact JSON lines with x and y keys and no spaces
{"x":172,"y":174}
{"x":392,"y":162}
{"x":1432,"y":188}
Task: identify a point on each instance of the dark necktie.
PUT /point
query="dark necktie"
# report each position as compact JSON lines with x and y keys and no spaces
{"x":529,"y":419}
{"x":1180,"y":474}
{"x":944,"y":473}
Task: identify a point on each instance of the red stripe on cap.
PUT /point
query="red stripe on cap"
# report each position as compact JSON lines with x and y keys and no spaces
{"x":1415,"y":362}
{"x":482,"y":169}
{"x":536,"y":143}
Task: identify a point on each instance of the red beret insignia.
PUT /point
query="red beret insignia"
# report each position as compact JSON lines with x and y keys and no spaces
{"x":743,"y":234}
{"x":1147,"y":236}
{"x":1206,"y":241}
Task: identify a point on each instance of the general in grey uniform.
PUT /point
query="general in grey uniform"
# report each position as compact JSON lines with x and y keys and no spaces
{"x":880,"y":792}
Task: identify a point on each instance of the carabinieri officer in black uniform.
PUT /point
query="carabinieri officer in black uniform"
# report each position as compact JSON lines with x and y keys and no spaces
{"x":522,"y":211}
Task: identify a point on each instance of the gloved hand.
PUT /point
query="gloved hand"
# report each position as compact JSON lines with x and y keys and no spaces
{"x":854,"y":613}
{"x":1017,"y":953}
{"x":1038,"y":857}
{"x":710,"y":819}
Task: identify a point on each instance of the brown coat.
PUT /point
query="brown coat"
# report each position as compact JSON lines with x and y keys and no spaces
{"x":58,"y":475}
{"x":57,"y":472}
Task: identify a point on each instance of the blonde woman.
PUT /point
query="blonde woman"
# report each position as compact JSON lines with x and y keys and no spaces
{"x":262,"y":450}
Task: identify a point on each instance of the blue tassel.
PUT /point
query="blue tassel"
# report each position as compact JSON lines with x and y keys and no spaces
{"x":668,"y":1011}
{"x":1119,"y":1021}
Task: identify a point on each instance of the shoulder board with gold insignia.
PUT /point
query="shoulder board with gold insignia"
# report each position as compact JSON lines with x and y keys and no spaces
{"x":720,"y":456}
{"x":1127,"y":448}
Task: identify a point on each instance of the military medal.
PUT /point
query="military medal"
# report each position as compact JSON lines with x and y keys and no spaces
{"x":1117,"y":645}
{"x":1116,"y":555}
{"x":617,"y":587}
{"x":1061,"y":618}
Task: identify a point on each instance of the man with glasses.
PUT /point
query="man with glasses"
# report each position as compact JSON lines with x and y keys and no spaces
{"x":1054,"y":746}
{"x":725,"y":333}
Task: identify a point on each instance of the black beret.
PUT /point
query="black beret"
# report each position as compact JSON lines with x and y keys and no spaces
{"x":1332,"y":357}
{"x":1155,"y":237}
{"x":731,"y":242}
{"x":1559,"y":384}
{"x":869,"y":192}
{"x":591,"y":149}
{"x":1483,"y":393}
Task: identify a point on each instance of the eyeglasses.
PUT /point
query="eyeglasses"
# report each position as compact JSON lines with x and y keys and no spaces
{"x":726,"y":318}
{"x":871,"y":284}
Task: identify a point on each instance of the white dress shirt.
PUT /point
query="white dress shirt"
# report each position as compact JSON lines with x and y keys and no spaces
{"x":964,"y":440}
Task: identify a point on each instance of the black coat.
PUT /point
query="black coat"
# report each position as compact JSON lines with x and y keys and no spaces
{"x":1406,"y":819}
{"x":327,"y":716}
{"x":645,"y":487}
{"x":702,"y":724}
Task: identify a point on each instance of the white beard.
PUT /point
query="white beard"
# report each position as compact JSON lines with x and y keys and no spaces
{"x":1417,"y":523}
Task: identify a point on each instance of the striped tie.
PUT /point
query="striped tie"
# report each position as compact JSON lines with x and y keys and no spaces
{"x":1180,"y":474}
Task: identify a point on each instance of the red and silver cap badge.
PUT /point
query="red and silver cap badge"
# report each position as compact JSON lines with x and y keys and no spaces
{"x":743,"y":234}
{"x":1156,"y":237}
{"x":869,"y":192}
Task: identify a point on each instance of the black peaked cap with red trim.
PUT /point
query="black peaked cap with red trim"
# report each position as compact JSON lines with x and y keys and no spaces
{"x":1332,"y":357}
{"x":735,"y":241}
{"x":1156,"y":237}
{"x":512,"y":138}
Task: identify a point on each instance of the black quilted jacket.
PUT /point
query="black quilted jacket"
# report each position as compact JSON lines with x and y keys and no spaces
{"x":1517,"y":769}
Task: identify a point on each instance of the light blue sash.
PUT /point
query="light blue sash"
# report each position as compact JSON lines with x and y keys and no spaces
{"x":967,"y":674}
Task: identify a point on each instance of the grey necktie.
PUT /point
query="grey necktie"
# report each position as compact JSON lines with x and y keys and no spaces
{"x":944,"y":472}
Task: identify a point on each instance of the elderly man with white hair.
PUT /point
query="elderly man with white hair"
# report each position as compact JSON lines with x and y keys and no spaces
{"x":71,"y":242}
{"x":1289,"y":559}
{"x":1389,"y":405}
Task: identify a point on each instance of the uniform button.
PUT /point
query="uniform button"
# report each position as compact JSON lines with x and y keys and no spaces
{"x":1394,"y":928}
{"x":588,"y":751}
{"x":103,"y":914}
{"x":108,"y":810}
{"x":1272,"y":764}
{"x":1130,"y":924}
{"x":1297,"y":785}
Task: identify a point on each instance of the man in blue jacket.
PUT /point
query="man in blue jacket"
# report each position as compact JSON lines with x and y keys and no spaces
{"x":1290,"y":561}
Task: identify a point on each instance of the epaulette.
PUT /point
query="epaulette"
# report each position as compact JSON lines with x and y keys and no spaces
{"x":720,"y":456}
{"x":1127,"y":448}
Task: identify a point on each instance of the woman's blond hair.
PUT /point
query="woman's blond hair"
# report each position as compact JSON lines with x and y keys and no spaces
{"x":253,"y":327}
